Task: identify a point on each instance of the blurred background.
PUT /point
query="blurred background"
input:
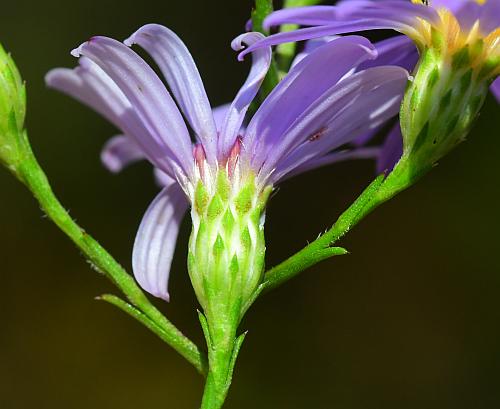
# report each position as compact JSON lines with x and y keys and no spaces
{"x":410,"y":319}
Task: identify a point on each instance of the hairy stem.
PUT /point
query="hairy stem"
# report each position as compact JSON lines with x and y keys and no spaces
{"x":33,"y":176}
{"x":378,"y":192}
{"x":223,"y":348}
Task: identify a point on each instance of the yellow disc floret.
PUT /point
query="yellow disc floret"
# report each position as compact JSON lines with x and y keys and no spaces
{"x":478,"y":49}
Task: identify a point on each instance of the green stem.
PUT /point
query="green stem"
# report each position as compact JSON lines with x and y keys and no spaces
{"x":30,"y":172}
{"x":217,"y":385}
{"x":223,"y":349}
{"x":286,"y":51}
{"x":379,"y":191}
{"x":262,"y":9}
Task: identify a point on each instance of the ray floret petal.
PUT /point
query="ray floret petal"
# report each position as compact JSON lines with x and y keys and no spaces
{"x":226,"y":174}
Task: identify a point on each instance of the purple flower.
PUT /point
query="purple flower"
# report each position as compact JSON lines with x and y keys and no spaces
{"x":325,"y":102}
{"x":398,"y":51}
{"x":463,"y":21}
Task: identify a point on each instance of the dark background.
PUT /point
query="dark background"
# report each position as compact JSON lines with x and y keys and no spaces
{"x":411,"y":319}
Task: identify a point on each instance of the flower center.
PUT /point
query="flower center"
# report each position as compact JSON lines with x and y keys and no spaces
{"x":471,"y":46}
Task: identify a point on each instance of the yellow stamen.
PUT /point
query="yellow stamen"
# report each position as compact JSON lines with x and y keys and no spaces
{"x":449,"y":38}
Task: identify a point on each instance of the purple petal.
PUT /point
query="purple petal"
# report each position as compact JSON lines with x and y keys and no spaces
{"x":401,"y":12}
{"x":148,"y":96}
{"x":366,"y":137}
{"x":359,"y":103}
{"x":489,"y":16}
{"x":307,"y":16}
{"x":310,"y":46}
{"x":399,"y":50}
{"x":391,"y":151}
{"x":296,"y":92}
{"x":155,"y":241}
{"x":468,"y":14}
{"x":119,"y":152}
{"x":219,"y":114}
{"x":334,"y":157}
{"x":89,"y":84}
{"x":348,"y":17}
{"x":162,"y":179}
{"x":236,"y":113}
{"x":495,"y":89}
{"x":180,"y":71}
{"x":320,"y":31}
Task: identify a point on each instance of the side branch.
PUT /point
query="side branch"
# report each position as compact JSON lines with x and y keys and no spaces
{"x":322,"y":248}
{"x":33,"y":176}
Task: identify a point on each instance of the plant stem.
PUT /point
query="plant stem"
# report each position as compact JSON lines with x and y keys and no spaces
{"x":262,"y":9}
{"x":217,"y":385}
{"x":33,"y":176}
{"x":379,"y":191}
{"x":223,"y":349}
{"x":286,"y":51}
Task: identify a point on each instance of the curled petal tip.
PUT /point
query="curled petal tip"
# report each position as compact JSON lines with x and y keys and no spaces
{"x":77,"y":52}
{"x":237,"y":43}
{"x":147,"y":31}
{"x":246,"y":39}
{"x":110,"y":162}
{"x":50,"y":76}
{"x":130,"y":41}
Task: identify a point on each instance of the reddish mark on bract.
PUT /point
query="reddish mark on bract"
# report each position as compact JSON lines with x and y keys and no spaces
{"x":233,"y":156}
{"x":318,"y":134}
{"x":199,"y":158}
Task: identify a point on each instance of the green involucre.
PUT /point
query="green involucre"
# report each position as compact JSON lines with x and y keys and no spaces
{"x":441,"y":103}
{"x":227,"y":246}
{"x":13,"y":142}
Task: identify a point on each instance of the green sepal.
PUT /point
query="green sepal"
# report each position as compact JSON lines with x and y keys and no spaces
{"x":440,"y":105}
{"x":227,"y":245}
{"x":223,"y":185}
{"x":218,"y":249}
{"x":244,"y":200}
{"x":201,"y":197}
{"x":205,"y":329}
{"x":215,"y":208}
{"x":488,"y":69}
{"x":228,"y":221}
{"x":461,"y":58}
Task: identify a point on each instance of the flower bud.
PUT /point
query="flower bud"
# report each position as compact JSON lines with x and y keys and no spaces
{"x":12,"y":112}
{"x":450,"y":85}
{"x":227,"y":247}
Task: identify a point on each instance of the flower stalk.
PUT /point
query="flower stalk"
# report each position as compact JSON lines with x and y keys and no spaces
{"x":33,"y":176}
{"x":378,"y":192}
{"x":286,"y":52}
{"x":262,"y":9}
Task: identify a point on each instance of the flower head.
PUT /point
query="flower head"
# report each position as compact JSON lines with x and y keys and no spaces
{"x":227,"y":172}
{"x":459,"y":46}
{"x":12,"y":112}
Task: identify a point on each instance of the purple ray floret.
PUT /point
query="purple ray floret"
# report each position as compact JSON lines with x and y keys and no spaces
{"x":320,"y":23}
{"x":350,"y":16}
{"x":300,"y":126}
